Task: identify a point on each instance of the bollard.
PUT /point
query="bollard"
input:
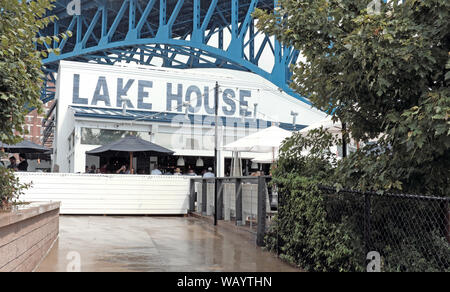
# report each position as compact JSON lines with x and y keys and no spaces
{"x":261,"y":230}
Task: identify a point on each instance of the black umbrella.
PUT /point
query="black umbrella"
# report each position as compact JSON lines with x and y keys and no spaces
{"x":132,"y":146}
{"x":25,"y":147}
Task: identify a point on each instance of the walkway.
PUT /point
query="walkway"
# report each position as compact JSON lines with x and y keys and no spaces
{"x":154,"y":244}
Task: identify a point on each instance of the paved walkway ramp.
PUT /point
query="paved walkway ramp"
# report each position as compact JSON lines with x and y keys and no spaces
{"x":153,"y":244}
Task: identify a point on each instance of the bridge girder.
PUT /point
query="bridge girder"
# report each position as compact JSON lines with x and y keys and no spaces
{"x":171,"y":33}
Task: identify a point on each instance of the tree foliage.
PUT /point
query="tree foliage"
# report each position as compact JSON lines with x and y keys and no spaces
{"x":21,"y":75}
{"x":20,"y":62}
{"x":385,"y":75}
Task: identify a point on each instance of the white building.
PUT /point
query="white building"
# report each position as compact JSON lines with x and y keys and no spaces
{"x":97,"y":104}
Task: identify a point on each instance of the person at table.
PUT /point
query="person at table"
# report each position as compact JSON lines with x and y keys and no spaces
{"x":156,"y":171}
{"x":23,"y":165}
{"x":177,"y":171}
{"x":93,"y":169}
{"x":103,"y":169}
{"x":191,"y":172}
{"x":12,"y":163}
{"x":123,"y":170}
{"x":209,"y":173}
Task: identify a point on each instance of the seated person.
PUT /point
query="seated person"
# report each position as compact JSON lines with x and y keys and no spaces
{"x":209,"y":173}
{"x":13,"y":164}
{"x":123,"y":170}
{"x":156,"y":171}
{"x":23,"y":165}
{"x":93,"y":169}
{"x":177,"y":171}
{"x":191,"y":172}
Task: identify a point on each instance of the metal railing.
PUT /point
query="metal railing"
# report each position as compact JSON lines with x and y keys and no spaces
{"x":222,"y":208}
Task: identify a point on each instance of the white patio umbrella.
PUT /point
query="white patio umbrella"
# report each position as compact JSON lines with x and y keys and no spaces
{"x":269,"y":157}
{"x":327,"y":124}
{"x":260,"y":142}
{"x":265,"y":157}
{"x":264,"y":141}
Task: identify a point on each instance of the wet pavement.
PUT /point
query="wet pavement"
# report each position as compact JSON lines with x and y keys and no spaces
{"x":153,"y":244}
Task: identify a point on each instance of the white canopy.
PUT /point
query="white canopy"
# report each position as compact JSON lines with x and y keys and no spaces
{"x":267,"y":140}
{"x":327,"y":124}
{"x":268,"y":157}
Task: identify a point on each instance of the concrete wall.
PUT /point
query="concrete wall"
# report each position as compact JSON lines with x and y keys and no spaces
{"x":101,"y":194}
{"x":26,"y":235}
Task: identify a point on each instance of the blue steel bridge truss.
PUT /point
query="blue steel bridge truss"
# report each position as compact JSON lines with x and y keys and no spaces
{"x":175,"y":33}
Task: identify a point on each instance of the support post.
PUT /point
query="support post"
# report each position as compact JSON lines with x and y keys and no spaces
{"x":192,"y":196}
{"x":344,"y":140}
{"x":216,"y":138}
{"x":261,"y":230}
{"x":238,"y":186}
{"x":204,"y":195}
{"x":220,"y":186}
{"x":216,"y":192}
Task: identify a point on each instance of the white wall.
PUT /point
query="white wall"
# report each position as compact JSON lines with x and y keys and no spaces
{"x":151,"y":87}
{"x":109,"y":194}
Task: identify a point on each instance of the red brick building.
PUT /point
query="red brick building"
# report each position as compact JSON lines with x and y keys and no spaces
{"x":35,"y":126}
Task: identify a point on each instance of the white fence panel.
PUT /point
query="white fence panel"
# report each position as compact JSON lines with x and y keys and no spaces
{"x":99,"y":194}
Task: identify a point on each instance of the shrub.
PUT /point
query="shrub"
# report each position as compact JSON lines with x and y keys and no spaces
{"x":10,"y":188}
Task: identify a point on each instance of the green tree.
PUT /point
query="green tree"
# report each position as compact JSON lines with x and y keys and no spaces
{"x":385,"y":74}
{"x":20,"y":72}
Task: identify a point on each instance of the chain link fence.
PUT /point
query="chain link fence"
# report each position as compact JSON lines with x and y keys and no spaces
{"x":409,"y":232}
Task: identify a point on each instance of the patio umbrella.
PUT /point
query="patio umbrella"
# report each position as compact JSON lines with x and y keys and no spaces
{"x":328,"y":125}
{"x":130,"y":146}
{"x":25,"y":147}
{"x":260,"y":142}
{"x":267,"y":140}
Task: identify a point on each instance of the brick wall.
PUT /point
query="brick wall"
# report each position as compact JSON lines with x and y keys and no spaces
{"x":26,"y":236}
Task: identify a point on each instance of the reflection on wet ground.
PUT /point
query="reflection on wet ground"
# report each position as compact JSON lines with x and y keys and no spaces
{"x":159,"y":244}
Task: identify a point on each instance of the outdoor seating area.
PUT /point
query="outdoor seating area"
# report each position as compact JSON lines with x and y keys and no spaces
{"x":225,"y":136}
{"x":17,"y":155}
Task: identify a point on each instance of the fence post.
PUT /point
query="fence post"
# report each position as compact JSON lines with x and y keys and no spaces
{"x":238,"y":201}
{"x":220,"y":200}
{"x":367,"y":226}
{"x":192,"y":195}
{"x":261,"y":211}
{"x":446,"y":223}
{"x":280,"y":217}
{"x":216,"y":193}
{"x":204,"y":196}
